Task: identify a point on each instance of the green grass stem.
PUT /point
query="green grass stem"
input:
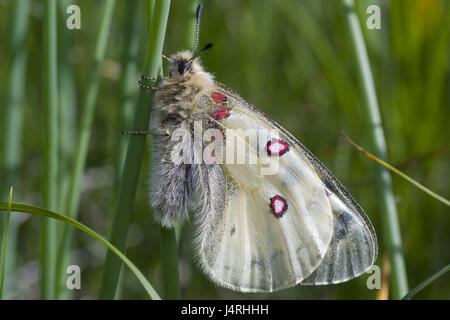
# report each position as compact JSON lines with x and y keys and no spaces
{"x":67,"y":115}
{"x":169,"y":263}
{"x":50,"y":172}
{"x":158,"y":13}
{"x":12,"y":123}
{"x":4,"y":246}
{"x":67,"y":104}
{"x":391,"y":230}
{"x":84,"y":130}
{"x":169,"y":238}
{"x":127,"y":88}
{"x":127,"y":95}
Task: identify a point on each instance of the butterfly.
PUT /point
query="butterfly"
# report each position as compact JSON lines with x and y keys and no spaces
{"x":254,"y":231}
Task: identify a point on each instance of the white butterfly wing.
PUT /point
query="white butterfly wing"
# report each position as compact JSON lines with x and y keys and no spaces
{"x":262,"y":232}
{"x":244,"y":246}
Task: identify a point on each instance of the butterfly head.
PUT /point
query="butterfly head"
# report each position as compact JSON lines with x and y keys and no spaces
{"x":183,"y":64}
{"x":186,"y":63}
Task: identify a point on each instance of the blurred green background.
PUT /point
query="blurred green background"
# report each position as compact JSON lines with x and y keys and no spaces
{"x":293,"y":59}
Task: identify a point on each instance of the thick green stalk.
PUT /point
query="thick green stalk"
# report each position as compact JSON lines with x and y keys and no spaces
{"x":84,"y":131}
{"x":169,"y":238}
{"x":50,"y":113}
{"x":135,"y":151}
{"x":169,"y":263}
{"x":127,"y":88}
{"x":391,"y":229}
{"x":12,"y":124}
{"x":126,"y":98}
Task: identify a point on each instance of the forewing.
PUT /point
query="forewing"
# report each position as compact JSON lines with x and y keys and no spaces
{"x":353,"y":246}
{"x":260,"y":232}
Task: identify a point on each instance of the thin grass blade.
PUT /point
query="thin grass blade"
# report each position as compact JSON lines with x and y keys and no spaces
{"x":20,"y":207}
{"x":4,"y":246}
{"x":50,"y":173}
{"x":427,"y":282}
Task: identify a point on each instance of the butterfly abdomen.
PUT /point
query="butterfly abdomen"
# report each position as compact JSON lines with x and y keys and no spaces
{"x":170,"y":181}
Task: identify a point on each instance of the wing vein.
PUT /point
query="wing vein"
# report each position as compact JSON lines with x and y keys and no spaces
{"x":264,"y":239}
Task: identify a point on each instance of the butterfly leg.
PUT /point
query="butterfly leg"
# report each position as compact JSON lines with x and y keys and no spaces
{"x":144,"y":77}
{"x":156,"y":132}
{"x":145,"y":132}
{"x":142,"y":85}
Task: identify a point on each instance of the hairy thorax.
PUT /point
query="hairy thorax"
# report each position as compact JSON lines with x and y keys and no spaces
{"x":179,"y":95}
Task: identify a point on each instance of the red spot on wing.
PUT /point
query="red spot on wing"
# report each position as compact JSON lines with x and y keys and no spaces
{"x":220,"y":113}
{"x":278,"y":205}
{"x":277,"y":147}
{"x":217,"y":97}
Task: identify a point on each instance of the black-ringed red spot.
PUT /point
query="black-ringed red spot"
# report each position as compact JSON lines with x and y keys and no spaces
{"x":217,"y":97}
{"x":279,"y":205}
{"x":276,"y":147}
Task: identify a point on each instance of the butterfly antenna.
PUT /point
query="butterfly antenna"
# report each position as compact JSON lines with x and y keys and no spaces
{"x":207,"y":47}
{"x":198,"y":14}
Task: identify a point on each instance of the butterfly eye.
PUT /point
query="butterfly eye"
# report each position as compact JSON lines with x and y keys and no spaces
{"x":182,"y":66}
